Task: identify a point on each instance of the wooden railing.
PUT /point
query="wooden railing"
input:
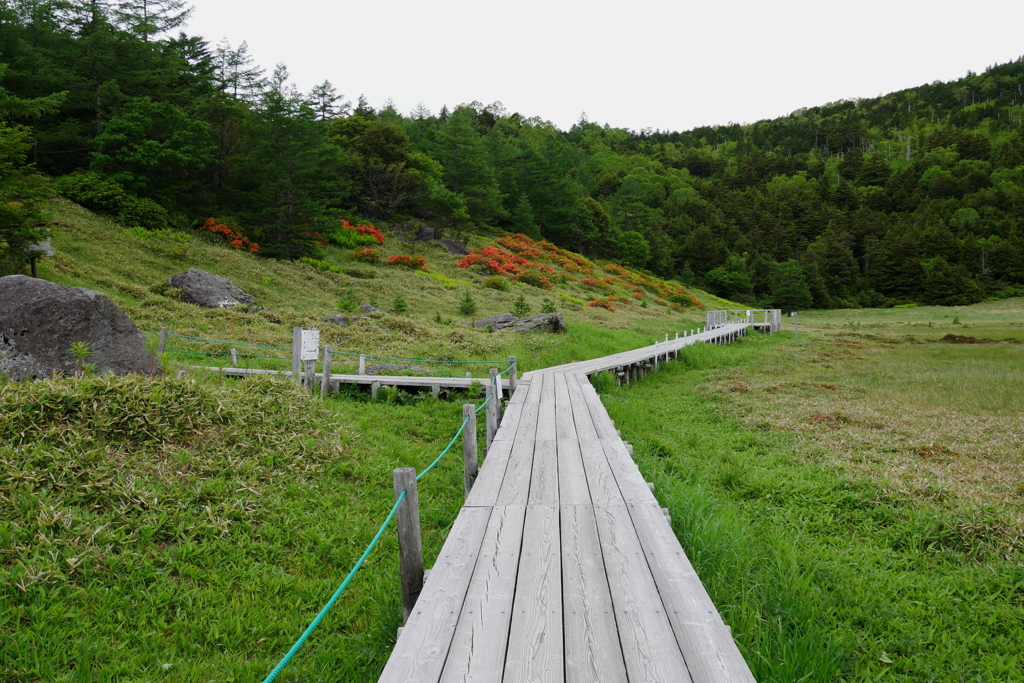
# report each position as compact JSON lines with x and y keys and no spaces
{"x":768,"y":319}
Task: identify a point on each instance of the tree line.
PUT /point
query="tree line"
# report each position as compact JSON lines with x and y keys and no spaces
{"x":916,"y":196}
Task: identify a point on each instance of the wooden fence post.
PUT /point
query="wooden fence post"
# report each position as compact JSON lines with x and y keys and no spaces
{"x":373,"y":389}
{"x":496,"y":383}
{"x":655,"y":356}
{"x":162,"y":345}
{"x":512,"y":378}
{"x":234,"y":358}
{"x":410,"y":547}
{"x":362,"y":364}
{"x":470,"y":459}
{"x":325,"y":381}
{"x":296,"y":353}
{"x":491,"y":423}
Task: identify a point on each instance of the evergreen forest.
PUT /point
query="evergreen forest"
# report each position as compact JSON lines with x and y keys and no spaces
{"x":912,"y":197}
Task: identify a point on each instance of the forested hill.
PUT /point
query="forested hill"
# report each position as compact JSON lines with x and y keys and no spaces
{"x":916,"y":196}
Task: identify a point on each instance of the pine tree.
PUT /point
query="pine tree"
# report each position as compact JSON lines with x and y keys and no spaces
{"x":235,"y":74}
{"x":146,"y":18}
{"x":324,"y":100}
{"x":523,"y":220}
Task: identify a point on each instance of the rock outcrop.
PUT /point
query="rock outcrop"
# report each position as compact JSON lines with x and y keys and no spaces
{"x":208,"y":290}
{"x":542,"y":322}
{"x":454,"y":247}
{"x":40,"y":320}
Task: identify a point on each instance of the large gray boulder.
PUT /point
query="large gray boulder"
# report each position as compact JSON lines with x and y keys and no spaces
{"x":208,"y":290}
{"x":542,"y":322}
{"x":497,"y":322}
{"x":454,"y":247}
{"x":369,"y":308}
{"x":40,"y":320}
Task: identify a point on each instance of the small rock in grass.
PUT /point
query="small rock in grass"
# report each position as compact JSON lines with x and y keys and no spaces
{"x":369,"y":308}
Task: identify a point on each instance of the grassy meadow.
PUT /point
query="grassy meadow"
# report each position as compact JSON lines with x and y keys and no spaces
{"x":854,"y":499}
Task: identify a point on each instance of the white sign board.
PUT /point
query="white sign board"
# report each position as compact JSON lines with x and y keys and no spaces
{"x":310,"y":345}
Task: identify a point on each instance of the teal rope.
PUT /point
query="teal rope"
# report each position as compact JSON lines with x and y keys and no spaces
{"x":484,"y":403}
{"x":334,"y":598}
{"x":219,"y":341}
{"x":418,"y":360}
{"x":445,"y":451}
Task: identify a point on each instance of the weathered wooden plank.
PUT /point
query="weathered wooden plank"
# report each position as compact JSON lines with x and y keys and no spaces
{"x":706,"y":642}
{"x":535,"y":645}
{"x":544,"y":478}
{"x":627,"y":475}
{"x":546,"y":416}
{"x":527,"y":428}
{"x":572,"y":477}
{"x":565,"y":426}
{"x":491,"y":475}
{"x":593,"y":653}
{"x":421,"y":650}
{"x":515,"y":488}
{"x":600,"y":480}
{"x":478,"y":647}
{"x":649,"y":646}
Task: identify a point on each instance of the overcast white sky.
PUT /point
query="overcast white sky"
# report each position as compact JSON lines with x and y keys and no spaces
{"x":639,"y":64}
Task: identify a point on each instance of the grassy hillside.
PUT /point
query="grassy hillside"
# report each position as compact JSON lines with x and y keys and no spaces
{"x":131,"y":266}
{"x":852,"y":500}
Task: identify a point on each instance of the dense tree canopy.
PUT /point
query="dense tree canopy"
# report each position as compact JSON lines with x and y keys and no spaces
{"x":915,"y":196}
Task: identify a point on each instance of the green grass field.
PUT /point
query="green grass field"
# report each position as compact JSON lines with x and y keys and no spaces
{"x":852,"y":500}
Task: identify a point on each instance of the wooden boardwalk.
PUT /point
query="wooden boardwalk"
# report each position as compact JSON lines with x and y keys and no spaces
{"x":561,"y":566}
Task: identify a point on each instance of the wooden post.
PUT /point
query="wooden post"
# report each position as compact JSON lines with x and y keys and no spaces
{"x":491,"y":423}
{"x":161,"y":347}
{"x":498,"y":392}
{"x":362,"y":364}
{"x":796,"y":326}
{"x":325,"y":381}
{"x":373,"y":389}
{"x":435,"y":390}
{"x":234,"y":358}
{"x":655,"y":356}
{"x":410,"y":547}
{"x":469,"y":375}
{"x":296,"y":353}
{"x":469,"y":456}
{"x":512,"y":378}
{"x":309,"y":373}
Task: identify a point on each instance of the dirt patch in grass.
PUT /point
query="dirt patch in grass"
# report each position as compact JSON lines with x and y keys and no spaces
{"x":961,"y":339}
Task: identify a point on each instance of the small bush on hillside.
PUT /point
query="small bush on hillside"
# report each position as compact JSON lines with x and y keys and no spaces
{"x":348,"y":303}
{"x":498,"y":283}
{"x":520,"y":308}
{"x":399,"y":306}
{"x":467,"y":306}
{"x":548,"y":306}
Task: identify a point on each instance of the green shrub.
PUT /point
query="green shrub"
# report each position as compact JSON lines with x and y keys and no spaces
{"x":467,"y":306}
{"x":399,"y":306}
{"x":548,"y":306}
{"x":520,"y":308}
{"x":348,"y":302}
{"x":107,"y":197}
{"x":498,"y":283}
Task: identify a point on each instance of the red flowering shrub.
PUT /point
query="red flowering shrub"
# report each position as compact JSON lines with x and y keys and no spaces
{"x":620,"y":300}
{"x":352,"y":236}
{"x":516,"y":267}
{"x":231,"y":235}
{"x":407,"y":261}
{"x":601,"y":285}
{"x":546,"y":251}
{"x":601,"y":303}
{"x":366,"y":255}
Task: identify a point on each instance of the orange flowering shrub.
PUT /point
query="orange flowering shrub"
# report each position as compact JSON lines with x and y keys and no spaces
{"x":516,"y":267}
{"x":601,"y":303}
{"x":407,"y":261}
{"x":546,"y":251}
{"x":231,"y":235}
{"x":366,"y":255}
